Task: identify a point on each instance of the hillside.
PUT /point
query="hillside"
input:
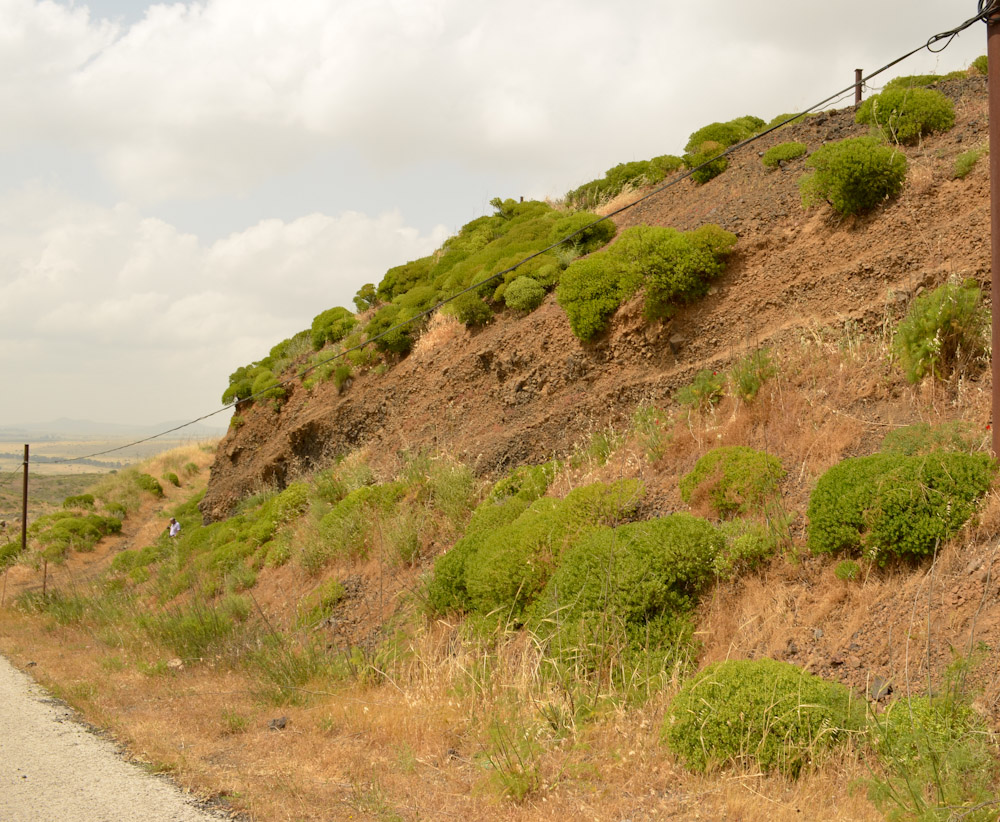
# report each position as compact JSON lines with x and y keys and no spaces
{"x":522,"y":389}
{"x":480,"y":579}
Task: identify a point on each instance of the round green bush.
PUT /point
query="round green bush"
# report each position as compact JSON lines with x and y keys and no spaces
{"x":905,"y":113}
{"x":331,"y":325}
{"x":593,"y":234}
{"x":736,"y":480}
{"x":590,"y":292}
{"x":759,"y":714}
{"x":708,"y":158}
{"x":889,"y":505}
{"x":980,"y":65}
{"x":782,"y":153}
{"x":854,"y":175}
{"x":524,"y":294}
{"x":945,"y":332}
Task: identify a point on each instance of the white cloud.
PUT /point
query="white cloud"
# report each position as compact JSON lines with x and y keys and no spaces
{"x":86,"y":283}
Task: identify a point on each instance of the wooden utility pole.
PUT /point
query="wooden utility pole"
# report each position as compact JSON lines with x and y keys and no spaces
{"x":24,"y":504}
{"x":993,"y":87}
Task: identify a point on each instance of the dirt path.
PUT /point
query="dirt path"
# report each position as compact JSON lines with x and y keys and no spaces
{"x":54,"y":768}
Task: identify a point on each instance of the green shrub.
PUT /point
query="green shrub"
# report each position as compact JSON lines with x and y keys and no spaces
{"x":634,"y":584}
{"x":923,"y":438}
{"x":341,"y":374}
{"x":936,"y":758}
{"x":908,"y":81}
{"x":945,"y":333}
{"x":735,"y":479}
{"x":966,"y":161}
{"x":190,"y":469}
{"x":650,"y":427}
{"x":591,"y":291}
{"x":791,"y":117}
{"x":707,"y":162}
{"x":847,"y":570}
{"x":331,"y":326}
{"x":470,"y":310}
{"x":748,"y":545}
{"x":750,"y":372}
{"x":905,"y":114}
{"x":366,"y":297}
{"x":173,"y":479}
{"x":524,"y":294}
{"x":528,"y":482}
{"x":64,"y":531}
{"x":266,"y":386}
{"x":782,"y":153}
{"x":854,"y":175}
{"x":759,"y":714}
{"x":725,"y":134}
{"x":595,"y":232}
{"x":149,"y":484}
{"x":625,"y":175}
{"x":889,"y":505}
{"x":79,"y":501}
{"x":980,"y":65}
{"x":511,"y":546}
{"x":704,"y":391}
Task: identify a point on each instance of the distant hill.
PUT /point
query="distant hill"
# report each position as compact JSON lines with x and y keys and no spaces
{"x":65,"y":428}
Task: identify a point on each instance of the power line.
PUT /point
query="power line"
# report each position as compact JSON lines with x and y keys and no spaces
{"x":985,"y":9}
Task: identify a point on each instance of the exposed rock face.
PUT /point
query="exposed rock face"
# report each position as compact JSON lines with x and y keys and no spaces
{"x":525,"y":388}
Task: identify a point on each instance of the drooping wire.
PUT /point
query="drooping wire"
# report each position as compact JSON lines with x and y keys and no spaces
{"x":985,"y":10}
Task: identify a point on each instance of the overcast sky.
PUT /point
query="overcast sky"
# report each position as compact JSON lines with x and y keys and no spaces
{"x":184,"y":185}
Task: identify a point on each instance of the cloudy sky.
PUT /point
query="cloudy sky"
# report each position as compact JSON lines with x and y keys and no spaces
{"x":183,"y":185}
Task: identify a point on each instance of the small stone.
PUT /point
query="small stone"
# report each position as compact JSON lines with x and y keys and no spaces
{"x":175,"y":664}
{"x":278,"y":724}
{"x":836,"y":661}
{"x":973,"y":566}
{"x":854,"y":661}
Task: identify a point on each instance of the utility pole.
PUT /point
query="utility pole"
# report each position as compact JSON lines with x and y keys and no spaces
{"x":24,"y":504}
{"x":857,"y":87}
{"x":993,"y":87}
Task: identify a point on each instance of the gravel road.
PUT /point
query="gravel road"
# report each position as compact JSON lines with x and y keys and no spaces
{"x":53,"y":769}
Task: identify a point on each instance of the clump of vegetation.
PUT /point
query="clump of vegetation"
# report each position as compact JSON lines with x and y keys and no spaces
{"x":173,"y":479}
{"x":759,"y":713}
{"x":945,"y":333}
{"x":704,"y":391}
{"x":750,"y":372}
{"x":980,"y":65}
{"x":891,"y":506}
{"x":923,"y":438}
{"x":936,"y":757}
{"x":783,"y":153}
{"x":628,"y":590}
{"x":331,"y":326}
{"x":748,"y":545}
{"x":966,"y":161}
{"x":624,"y":175}
{"x":511,"y":547}
{"x":734,"y":479}
{"x":79,"y":501}
{"x":649,"y":426}
{"x":149,"y":484}
{"x":906,"y":113}
{"x":854,"y":175}
{"x":672,"y":266}
{"x":710,"y":141}
{"x":847,"y":570}
{"x":524,"y":294}
{"x":65,"y":531}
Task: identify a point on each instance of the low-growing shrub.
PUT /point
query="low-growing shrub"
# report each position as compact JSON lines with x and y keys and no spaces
{"x":625,"y":175}
{"x":906,"y":113}
{"x":594,"y":233}
{"x":331,"y":326}
{"x":707,"y":162}
{"x":854,"y":175}
{"x":735,"y":480}
{"x":173,"y":479}
{"x":470,"y":310}
{"x":759,"y":713}
{"x":966,"y":161}
{"x":524,"y":294}
{"x":889,"y":505}
{"x":704,"y":391}
{"x":649,"y":426}
{"x":634,"y":581}
{"x":79,"y":501}
{"x":980,"y":65}
{"x":65,"y":531}
{"x":783,"y":153}
{"x":945,"y":333}
{"x":149,"y":484}
{"x":748,"y":545}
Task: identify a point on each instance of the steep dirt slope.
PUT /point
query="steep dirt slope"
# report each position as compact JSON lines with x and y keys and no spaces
{"x":524,"y":387}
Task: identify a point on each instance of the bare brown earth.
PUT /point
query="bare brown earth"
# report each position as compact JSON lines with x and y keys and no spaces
{"x":525,"y":388}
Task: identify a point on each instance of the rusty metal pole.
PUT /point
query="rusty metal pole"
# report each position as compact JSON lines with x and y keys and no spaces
{"x":24,"y":504}
{"x":858,"y":74}
{"x":993,"y":86}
